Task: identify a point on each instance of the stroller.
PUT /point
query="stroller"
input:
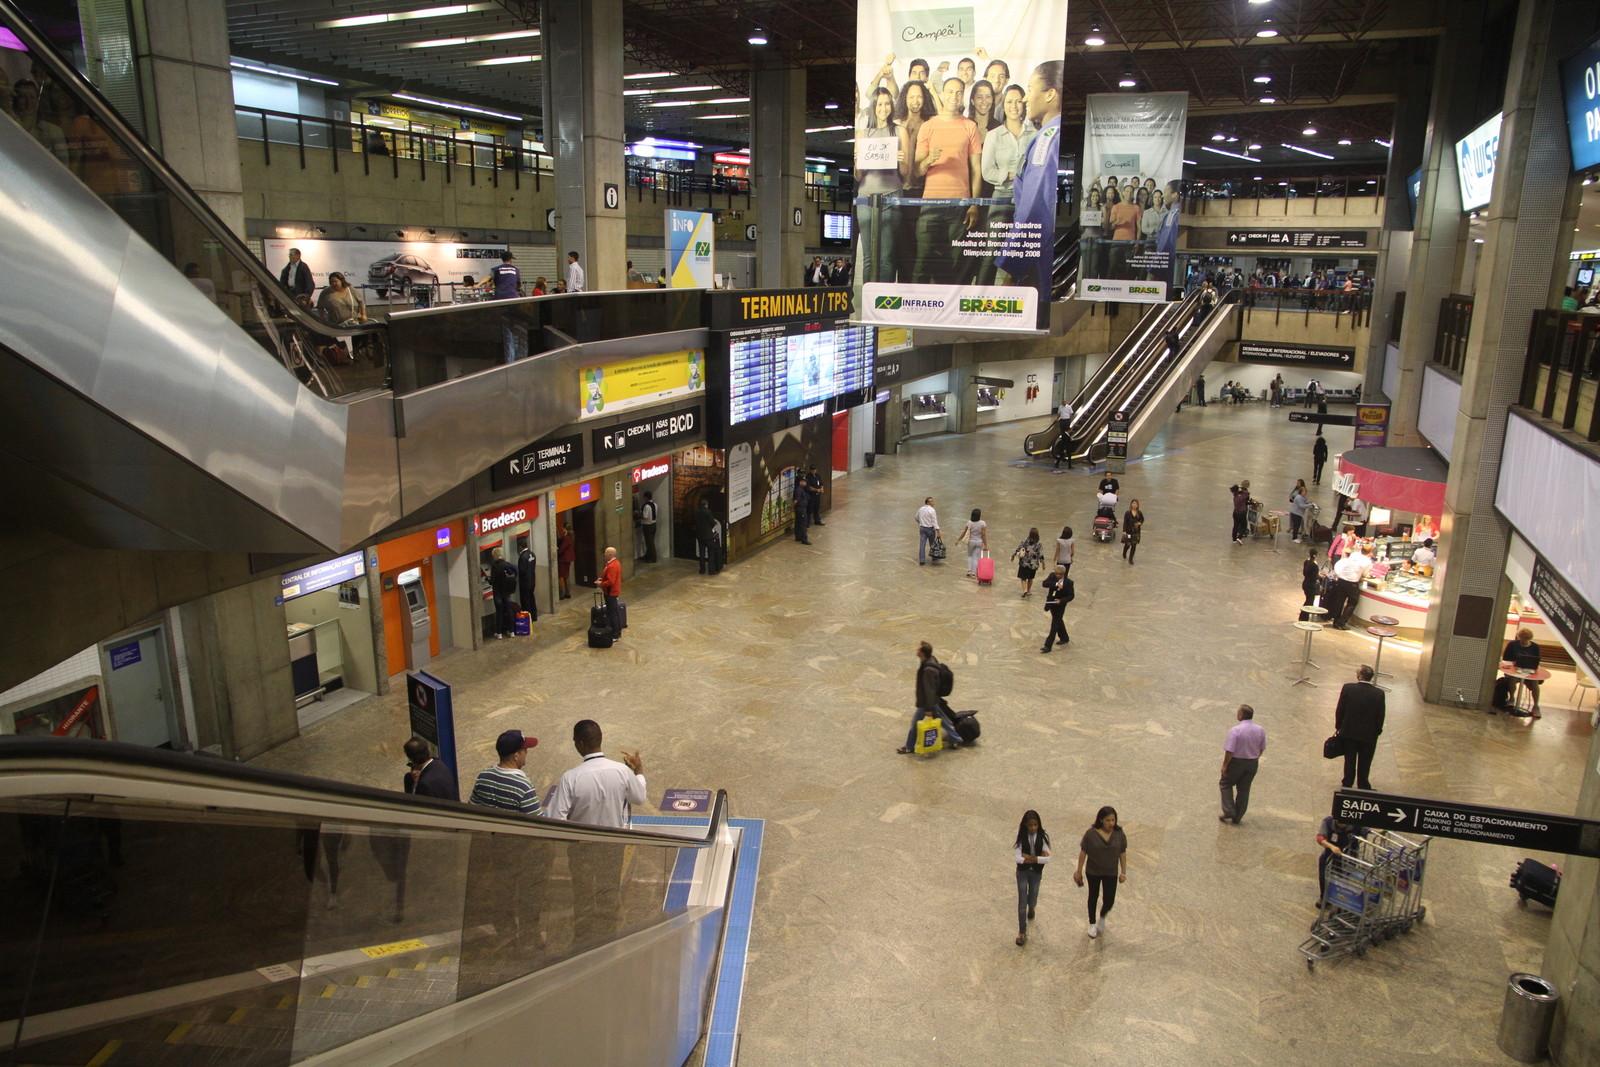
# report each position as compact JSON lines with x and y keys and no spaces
{"x":1105,"y":522}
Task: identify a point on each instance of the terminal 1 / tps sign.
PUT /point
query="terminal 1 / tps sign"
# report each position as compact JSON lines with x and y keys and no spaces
{"x":1530,"y":830}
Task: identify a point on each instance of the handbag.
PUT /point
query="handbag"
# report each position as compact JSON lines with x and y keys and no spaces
{"x":1333,"y":747}
{"x":938,"y":549}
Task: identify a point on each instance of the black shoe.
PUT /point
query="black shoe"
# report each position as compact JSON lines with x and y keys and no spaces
{"x":1045,"y":649}
{"x":805,"y":542}
{"x":819,"y":524}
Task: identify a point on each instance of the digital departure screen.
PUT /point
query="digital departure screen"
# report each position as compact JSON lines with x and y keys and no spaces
{"x":838,"y":228}
{"x":780,"y":368}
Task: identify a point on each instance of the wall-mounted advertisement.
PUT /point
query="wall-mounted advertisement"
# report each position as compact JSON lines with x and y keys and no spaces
{"x":1475,"y":158}
{"x":1133,"y":184}
{"x":1580,"y":88}
{"x":691,"y":245}
{"x":637,"y":383}
{"x":958,"y":145}
{"x":383,"y":269}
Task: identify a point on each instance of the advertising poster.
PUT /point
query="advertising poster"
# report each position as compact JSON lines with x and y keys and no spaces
{"x":691,"y":242}
{"x":384,"y":268}
{"x":958,"y":144}
{"x":637,"y":383}
{"x":1372,"y":425}
{"x":1132,"y":193}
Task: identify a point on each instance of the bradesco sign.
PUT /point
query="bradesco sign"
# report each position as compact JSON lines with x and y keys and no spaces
{"x":1580,"y":88}
{"x":490,"y":521}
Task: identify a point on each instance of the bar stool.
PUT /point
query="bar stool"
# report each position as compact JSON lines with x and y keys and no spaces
{"x":1380,"y":632}
{"x":1388,"y":623}
{"x":1307,"y":628}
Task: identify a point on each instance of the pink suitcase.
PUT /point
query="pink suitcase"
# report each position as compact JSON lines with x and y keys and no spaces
{"x":985,"y":569}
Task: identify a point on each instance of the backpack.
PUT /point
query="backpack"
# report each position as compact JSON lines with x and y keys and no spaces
{"x":947,"y":680}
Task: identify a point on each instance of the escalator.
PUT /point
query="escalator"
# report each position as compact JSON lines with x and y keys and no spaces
{"x":1145,"y":376}
{"x":164,"y":392}
{"x":170,"y":909}
{"x":1064,"y":265}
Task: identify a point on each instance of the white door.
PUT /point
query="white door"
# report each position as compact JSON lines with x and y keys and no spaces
{"x":138,"y":697}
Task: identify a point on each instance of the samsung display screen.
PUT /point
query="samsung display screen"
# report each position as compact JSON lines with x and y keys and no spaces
{"x":838,"y":228}
{"x":780,"y":368}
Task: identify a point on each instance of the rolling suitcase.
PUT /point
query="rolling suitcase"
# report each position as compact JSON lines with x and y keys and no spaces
{"x":600,"y":637}
{"x":1533,"y":879}
{"x":967,"y":726}
{"x":985,"y":569}
{"x":598,"y":616}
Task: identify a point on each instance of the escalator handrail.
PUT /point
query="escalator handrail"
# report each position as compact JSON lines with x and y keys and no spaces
{"x":56,"y":767}
{"x":41,"y":51}
{"x":1094,"y":401}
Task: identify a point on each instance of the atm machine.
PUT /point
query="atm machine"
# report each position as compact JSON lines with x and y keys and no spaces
{"x":416,"y":622}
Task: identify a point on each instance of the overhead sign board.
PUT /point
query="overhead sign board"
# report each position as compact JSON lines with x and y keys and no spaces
{"x":547,"y":456}
{"x":320,"y":576}
{"x":740,"y":308}
{"x":1297,"y":238}
{"x":1580,"y":88}
{"x":1298,"y":355}
{"x":647,"y":434}
{"x":1567,"y":612}
{"x":1475,"y":158}
{"x":1322,"y":420}
{"x":1528,"y":830}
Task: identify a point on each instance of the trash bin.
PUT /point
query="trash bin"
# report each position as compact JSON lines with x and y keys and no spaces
{"x":1525,"y":1020}
{"x":869,"y":458}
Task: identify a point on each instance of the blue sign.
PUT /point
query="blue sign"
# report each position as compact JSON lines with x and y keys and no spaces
{"x":433,"y":715}
{"x":124,"y":655}
{"x":1580,"y":87}
{"x":686,"y":800}
{"x":321,"y":576}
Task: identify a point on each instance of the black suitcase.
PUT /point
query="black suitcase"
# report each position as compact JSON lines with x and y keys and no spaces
{"x":600,"y":637}
{"x":967,"y":726}
{"x":1533,"y":879}
{"x":598,"y":615}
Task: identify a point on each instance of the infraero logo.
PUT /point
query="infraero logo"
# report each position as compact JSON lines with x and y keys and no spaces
{"x":702,"y":248}
{"x":900,"y":303}
{"x":1094,"y":288}
{"x":887,"y":303}
{"x":991,"y":307}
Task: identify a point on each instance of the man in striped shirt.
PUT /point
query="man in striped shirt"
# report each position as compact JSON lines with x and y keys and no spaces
{"x":505,"y":785}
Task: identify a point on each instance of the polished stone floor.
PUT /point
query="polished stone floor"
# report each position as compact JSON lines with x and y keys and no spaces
{"x":884,"y":924}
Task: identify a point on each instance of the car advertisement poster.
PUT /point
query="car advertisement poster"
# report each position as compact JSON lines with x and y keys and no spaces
{"x":1132,"y":195}
{"x":958,"y":146}
{"x":691,"y":245}
{"x":385,"y":270}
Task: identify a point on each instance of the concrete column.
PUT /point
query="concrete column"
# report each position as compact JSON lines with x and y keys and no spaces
{"x":1466,"y":623}
{"x":583,"y":132}
{"x":181,"y":51}
{"x":778,"y":159}
{"x":963,"y":365}
{"x":1440,"y":226}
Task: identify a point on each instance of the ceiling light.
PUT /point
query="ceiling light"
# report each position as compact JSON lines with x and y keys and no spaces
{"x":1231,"y":155}
{"x":1269,"y":100}
{"x":831,"y":105}
{"x":1189,"y":163}
{"x":1260,"y":1}
{"x":1307,"y":151}
{"x":820,"y":159}
{"x":1309,"y":131}
{"x":402,"y":16}
{"x":1267,"y":29}
{"x":651,"y":74}
{"x":1127,"y":81}
{"x":1233,"y":140}
{"x":477,"y":38}
{"x":1263,"y":79}
{"x":1255,"y":148}
{"x":1380,"y":140}
{"x":758,"y":37}
{"x":457,"y":107}
{"x":1219,"y":137}
{"x":1094,"y":40}
{"x":1345,"y":141}
{"x":280,"y":73}
{"x":502,"y":61}
{"x":709,"y":118}
{"x":826,"y":129}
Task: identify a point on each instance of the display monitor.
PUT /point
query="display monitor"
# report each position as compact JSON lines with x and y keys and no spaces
{"x":1585,"y":276}
{"x":838,"y":229}
{"x":781,"y":368}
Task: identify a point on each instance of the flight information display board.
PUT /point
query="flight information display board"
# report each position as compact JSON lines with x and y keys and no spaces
{"x":780,"y":368}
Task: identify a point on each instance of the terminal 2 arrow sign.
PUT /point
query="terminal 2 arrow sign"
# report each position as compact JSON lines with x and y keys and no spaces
{"x":1530,"y":830}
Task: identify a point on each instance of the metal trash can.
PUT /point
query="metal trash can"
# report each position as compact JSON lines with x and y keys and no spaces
{"x":1525,"y":1020}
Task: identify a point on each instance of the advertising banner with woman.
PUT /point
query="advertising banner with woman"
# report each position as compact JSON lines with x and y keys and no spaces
{"x":958,"y":143}
{"x":1132,"y":191}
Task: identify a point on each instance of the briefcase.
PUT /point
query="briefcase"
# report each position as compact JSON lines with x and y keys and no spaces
{"x":1333,"y":747}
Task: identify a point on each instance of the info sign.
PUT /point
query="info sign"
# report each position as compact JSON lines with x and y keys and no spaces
{"x":319,"y":576}
{"x":1526,"y":830}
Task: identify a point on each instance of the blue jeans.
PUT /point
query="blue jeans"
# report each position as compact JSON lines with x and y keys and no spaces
{"x":928,"y":534}
{"x":1028,"y":875}
{"x":950,"y":735}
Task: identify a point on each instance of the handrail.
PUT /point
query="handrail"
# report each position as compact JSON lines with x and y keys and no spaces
{"x":113,"y":769}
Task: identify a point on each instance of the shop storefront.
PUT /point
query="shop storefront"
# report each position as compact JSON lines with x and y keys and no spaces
{"x":1402,"y":490}
{"x":520,"y":532}
{"x":929,"y":405}
{"x":424,"y":592}
{"x":655,"y":478}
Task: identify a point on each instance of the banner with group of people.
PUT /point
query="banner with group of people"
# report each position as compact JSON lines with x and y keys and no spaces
{"x":958,"y":141}
{"x":1132,"y":192}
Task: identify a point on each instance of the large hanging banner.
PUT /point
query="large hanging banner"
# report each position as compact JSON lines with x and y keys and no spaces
{"x":1133,"y":175}
{"x":958,"y":145}
{"x":691,"y":242}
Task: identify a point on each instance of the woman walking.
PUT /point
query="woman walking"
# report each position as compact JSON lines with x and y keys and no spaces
{"x":1103,"y":859}
{"x":1066,"y":548}
{"x":1029,"y":556}
{"x":1132,"y":526}
{"x":1297,"y":509}
{"x":1057,"y":591}
{"x":976,"y":535}
{"x":1310,"y":582}
{"x":1032,"y":853}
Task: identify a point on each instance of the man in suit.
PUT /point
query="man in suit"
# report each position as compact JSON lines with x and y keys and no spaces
{"x":296,"y":276}
{"x":1358,"y":719}
{"x":427,"y":776}
{"x":527,"y":564}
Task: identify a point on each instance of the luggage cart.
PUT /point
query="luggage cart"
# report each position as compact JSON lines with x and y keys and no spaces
{"x":1350,"y":904}
{"x":1399,"y":863}
{"x":1262,"y":523}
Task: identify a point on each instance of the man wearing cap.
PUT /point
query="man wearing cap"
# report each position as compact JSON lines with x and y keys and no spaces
{"x":506,"y":785}
{"x":600,"y":792}
{"x":427,"y":776}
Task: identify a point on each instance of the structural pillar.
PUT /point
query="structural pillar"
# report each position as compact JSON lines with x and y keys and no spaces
{"x":583,"y":131}
{"x":1466,"y":621}
{"x":778,"y":159}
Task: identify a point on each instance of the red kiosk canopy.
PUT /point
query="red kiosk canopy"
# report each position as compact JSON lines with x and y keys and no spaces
{"x":1402,"y":479}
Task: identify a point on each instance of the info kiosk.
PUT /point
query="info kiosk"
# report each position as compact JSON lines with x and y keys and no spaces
{"x":416,"y":622}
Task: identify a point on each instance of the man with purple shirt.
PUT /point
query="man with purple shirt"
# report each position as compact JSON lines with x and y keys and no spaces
{"x":1241,"y":754}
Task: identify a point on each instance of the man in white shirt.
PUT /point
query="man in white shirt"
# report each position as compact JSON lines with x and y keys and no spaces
{"x":927,"y":529}
{"x":1349,"y":573}
{"x":599,"y":792}
{"x":1424,"y":555}
{"x":575,"y":278}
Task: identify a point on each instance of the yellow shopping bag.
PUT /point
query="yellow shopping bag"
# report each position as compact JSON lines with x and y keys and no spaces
{"x":930,"y":735}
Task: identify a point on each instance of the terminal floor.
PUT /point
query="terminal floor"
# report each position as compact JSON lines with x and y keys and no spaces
{"x":885,"y":916}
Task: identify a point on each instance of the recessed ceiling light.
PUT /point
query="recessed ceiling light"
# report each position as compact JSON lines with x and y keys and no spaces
{"x":709,"y":118}
{"x":477,"y":38}
{"x":1267,"y":29}
{"x":650,"y":74}
{"x":826,"y":129}
{"x":1256,"y":178}
{"x":1309,"y":131}
{"x":1262,"y":79}
{"x":1345,"y":141}
{"x":831,"y":105}
{"x":1255,"y":148}
{"x":1380,"y":140}
{"x":1219,"y":137}
{"x":236,"y":65}
{"x":456,"y":107}
{"x":1127,"y":81}
{"x":1260,"y":1}
{"x":1190,"y":163}
{"x":1269,"y":100}
{"x":1231,"y":155}
{"x":502,"y":61}
{"x":402,"y":16}
{"x":1094,"y":40}
{"x":1233,"y":140}
{"x":757,"y":37}
{"x":1306,"y":151}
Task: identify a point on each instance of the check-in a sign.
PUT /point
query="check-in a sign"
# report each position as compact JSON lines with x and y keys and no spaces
{"x":1530,"y":830}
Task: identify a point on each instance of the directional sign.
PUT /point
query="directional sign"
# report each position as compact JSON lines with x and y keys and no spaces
{"x":612,"y":196}
{"x":1528,"y":830}
{"x":1320,"y":419}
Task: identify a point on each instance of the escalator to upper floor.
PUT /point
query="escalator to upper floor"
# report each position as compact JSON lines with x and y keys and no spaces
{"x":170,"y":909}
{"x":1146,"y":376}
{"x":163,"y":391}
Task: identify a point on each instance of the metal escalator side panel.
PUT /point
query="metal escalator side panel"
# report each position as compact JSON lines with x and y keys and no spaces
{"x":97,"y":309}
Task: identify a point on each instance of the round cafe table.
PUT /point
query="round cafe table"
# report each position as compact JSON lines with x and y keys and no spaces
{"x":1316,"y":611}
{"x":1381,"y":633}
{"x":1307,"y":628}
{"x":1519,"y":705}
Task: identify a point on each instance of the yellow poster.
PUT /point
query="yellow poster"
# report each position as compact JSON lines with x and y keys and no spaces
{"x":893,"y":339}
{"x":635,"y":383}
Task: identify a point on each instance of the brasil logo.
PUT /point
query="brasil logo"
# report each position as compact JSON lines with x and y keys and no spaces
{"x":991,"y":307}
{"x":887,"y":303}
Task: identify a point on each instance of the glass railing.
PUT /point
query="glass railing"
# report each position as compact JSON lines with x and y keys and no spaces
{"x":99,"y":148}
{"x":1562,"y":369}
{"x":170,"y":908}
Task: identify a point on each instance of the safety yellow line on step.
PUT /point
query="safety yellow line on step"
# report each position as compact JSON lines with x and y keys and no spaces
{"x":239,"y":1015}
{"x":178,"y":1032}
{"x":105,"y":1053}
